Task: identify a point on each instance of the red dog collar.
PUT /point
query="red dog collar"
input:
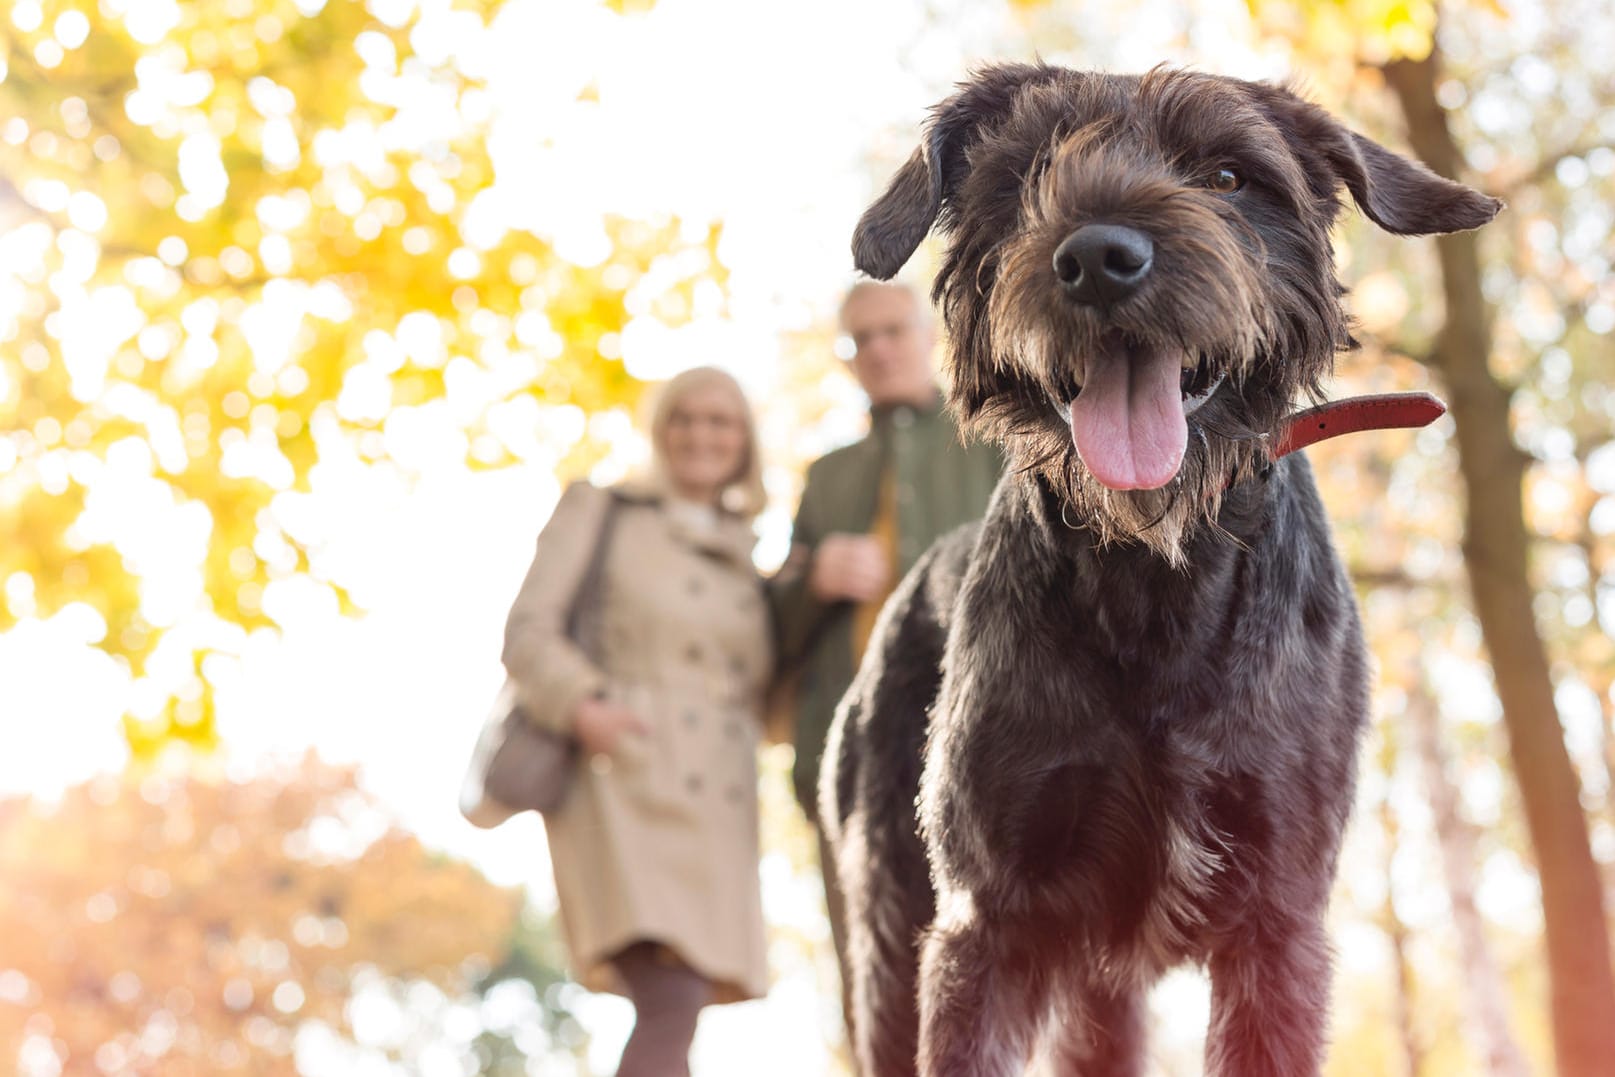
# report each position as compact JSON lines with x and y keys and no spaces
{"x":1384,"y":411}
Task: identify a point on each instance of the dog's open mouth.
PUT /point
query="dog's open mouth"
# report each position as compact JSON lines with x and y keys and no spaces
{"x":1129,"y":412}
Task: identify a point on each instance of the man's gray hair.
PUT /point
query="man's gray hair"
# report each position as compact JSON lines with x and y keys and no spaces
{"x":922,"y":308}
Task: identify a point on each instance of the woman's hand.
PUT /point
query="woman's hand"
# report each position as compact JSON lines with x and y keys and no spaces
{"x":600,"y":725}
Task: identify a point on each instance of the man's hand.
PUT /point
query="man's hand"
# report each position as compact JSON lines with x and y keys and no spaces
{"x":600,"y":726}
{"x":850,"y":568}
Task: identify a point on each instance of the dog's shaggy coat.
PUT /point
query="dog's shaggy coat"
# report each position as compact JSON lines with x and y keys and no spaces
{"x":1114,"y":728}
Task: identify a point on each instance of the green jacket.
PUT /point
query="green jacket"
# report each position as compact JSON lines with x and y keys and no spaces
{"x":939,"y":484}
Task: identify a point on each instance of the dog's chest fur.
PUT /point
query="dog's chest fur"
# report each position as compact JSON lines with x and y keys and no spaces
{"x":1109,"y":737}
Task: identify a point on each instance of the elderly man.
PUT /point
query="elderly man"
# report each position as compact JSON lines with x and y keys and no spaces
{"x":868,"y":511}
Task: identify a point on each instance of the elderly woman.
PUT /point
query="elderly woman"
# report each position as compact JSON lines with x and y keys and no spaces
{"x":655,"y":847}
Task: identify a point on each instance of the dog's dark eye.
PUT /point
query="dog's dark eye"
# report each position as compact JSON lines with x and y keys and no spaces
{"x":1224,"y":181}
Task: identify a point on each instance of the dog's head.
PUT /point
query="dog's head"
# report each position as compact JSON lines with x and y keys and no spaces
{"x":1140,"y":284}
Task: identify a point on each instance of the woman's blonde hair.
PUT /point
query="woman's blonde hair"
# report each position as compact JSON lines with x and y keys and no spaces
{"x":744,"y":495}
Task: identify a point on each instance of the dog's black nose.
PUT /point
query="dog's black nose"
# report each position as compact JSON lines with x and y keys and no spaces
{"x":1103,"y":263}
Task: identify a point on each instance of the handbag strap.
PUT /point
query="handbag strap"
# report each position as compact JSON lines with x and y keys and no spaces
{"x":587,"y":596}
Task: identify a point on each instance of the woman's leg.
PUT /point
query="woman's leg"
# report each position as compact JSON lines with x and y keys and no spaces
{"x":667,"y":996}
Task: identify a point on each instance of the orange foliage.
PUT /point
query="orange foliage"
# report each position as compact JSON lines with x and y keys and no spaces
{"x":189,"y":925}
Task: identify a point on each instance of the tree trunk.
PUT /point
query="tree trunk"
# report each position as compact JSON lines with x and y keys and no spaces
{"x":1397,"y":934}
{"x":1486,"y":1011}
{"x":1599,"y":681}
{"x":1495,"y":549}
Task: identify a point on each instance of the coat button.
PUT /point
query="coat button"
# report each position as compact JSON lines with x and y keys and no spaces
{"x":693,"y":783}
{"x":693,"y":652}
{"x":737,"y":665}
{"x":734,"y":794}
{"x":691,"y":718}
{"x":731,"y":728}
{"x":693,"y":585}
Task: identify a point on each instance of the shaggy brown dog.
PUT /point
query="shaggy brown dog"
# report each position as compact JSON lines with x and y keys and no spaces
{"x":1114,"y":728}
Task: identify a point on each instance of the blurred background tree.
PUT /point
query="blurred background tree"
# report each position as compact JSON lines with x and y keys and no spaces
{"x":248,"y":239}
{"x":193,"y":924}
{"x":1486,"y":343}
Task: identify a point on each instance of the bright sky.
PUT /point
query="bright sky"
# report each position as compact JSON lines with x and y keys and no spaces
{"x":780,"y":119}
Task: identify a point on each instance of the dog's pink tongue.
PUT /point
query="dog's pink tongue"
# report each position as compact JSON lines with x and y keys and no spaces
{"x":1128,"y":420}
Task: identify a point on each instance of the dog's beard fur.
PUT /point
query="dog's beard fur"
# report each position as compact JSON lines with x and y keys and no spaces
{"x":1214,"y":313}
{"x":1223,"y":449}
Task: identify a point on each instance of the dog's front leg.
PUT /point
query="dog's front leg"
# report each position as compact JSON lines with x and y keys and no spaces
{"x":979,"y":1005}
{"x":1270,"y":999}
{"x":883,"y":925}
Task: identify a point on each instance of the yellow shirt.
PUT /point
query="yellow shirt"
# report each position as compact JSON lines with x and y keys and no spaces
{"x":884,"y":528}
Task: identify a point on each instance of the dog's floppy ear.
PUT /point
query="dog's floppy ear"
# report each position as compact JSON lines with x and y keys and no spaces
{"x":891,"y":229}
{"x":893,"y":226}
{"x":1399,"y":195}
{"x":1404,"y":196}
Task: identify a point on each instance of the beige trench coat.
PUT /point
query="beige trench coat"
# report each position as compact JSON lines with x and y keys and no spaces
{"x":658,"y":841}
